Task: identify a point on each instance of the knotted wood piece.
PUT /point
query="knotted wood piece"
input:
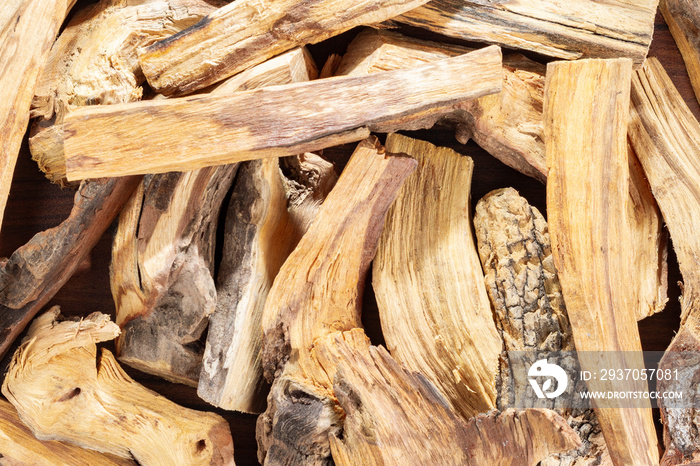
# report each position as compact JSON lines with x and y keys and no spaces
{"x":585,"y":120}
{"x":65,"y":390}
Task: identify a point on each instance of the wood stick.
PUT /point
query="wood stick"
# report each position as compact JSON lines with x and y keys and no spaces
{"x":27,"y":30}
{"x":569,"y":30}
{"x":683,"y":20}
{"x":94,"y":62}
{"x":64,"y":390}
{"x":665,"y":135}
{"x":436,"y":325}
{"x":289,"y":119}
{"x":246,"y":33}
{"x":36,"y":271}
{"x":19,"y":446}
{"x":318,"y":291}
{"x":585,"y":120}
{"x":267,"y":215}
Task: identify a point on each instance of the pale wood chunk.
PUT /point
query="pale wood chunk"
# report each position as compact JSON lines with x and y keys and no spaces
{"x":567,"y":29}
{"x":585,"y":120}
{"x":64,"y":390}
{"x":430,"y":290}
{"x":157,"y":136}
{"x":683,"y":20}
{"x":246,"y":33}
{"x":666,"y":137}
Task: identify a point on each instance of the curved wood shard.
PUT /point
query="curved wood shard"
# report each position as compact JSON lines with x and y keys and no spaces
{"x":683,"y":19}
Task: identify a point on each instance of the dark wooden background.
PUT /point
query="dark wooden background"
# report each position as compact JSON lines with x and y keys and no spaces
{"x":35,"y":205}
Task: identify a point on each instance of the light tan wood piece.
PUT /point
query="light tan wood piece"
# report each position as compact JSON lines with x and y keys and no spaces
{"x":27,"y":30}
{"x":94,"y":62}
{"x":246,"y":33}
{"x":289,"y":119}
{"x":666,"y":137}
{"x":683,"y":20}
{"x":430,"y":290}
{"x":567,"y":29}
{"x":585,"y":119}
{"x":65,"y":390}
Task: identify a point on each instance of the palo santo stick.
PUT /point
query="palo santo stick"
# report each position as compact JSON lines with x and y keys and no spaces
{"x":267,"y":215}
{"x":570,"y":30}
{"x":246,"y":33}
{"x":19,"y":446}
{"x":585,"y":121}
{"x":94,"y":62}
{"x":290,"y":119}
{"x":63,"y":393}
{"x":318,"y":291}
{"x":27,"y":30}
{"x":433,"y":322}
{"x":36,"y":271}
{"x":666,"y":137}
{"x":683,"y":19}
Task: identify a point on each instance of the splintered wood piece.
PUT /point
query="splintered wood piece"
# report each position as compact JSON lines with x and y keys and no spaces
{"x":64,"y":390}
{"x":94,"y":62}
{"x":27,"y":30}
{"x":392,"y":414}
{"x":162,"y":271}
{"x":245,"y":33}
{"x":666,"y":138}
{"x":267,"y":215}
{"x":683,"y":19}
{"x":529,"y":310}
{"x":586,"y":111}
{"x":435,"y":314}
{"x":318,"y":291}
{"x":568,"y":29}
{"x":36,"y":271}
{"x":287,"y":120}
{"x":19,"y":446}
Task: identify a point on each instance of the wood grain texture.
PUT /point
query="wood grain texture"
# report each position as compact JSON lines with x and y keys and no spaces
{"x":585,"y":120}
{"x":27,"y":30}
{"x":683,"y":19}
{"x":665,"y":136}
{"x":246,"y":33}
{"x":567,"y":29}
{"x":287,"y":120}
{"x":65,"y":390}
{"x":435,"y":313}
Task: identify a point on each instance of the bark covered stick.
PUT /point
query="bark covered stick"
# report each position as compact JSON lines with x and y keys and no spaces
{"x":683,"y":19}
{"x":585,"y":120}
{"x":36,"y":271}
{"x":318,"y":291}
{"x":246,"y":33}
{"x":287,"y":120}
{"x":27,"y":30}
{"x":430,"y":289}
{"x":568,"y":29}
{"x":64,"y":389}
{"x":666,"y":137}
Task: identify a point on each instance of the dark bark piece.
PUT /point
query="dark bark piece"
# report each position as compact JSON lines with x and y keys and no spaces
{"x":683,"y":19}
{"x":287,"y":120}
{"x":36,"y":271}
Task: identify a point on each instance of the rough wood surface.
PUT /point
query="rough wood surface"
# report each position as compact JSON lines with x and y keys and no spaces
{"x":245,"y":33}
{"x":585,"y":119}
{"x":567,"y":29}
{"x":27,"y":30}
{"x":94,"y":62}
{"x":267,"y":215}
{"x":319,"y":291}
{"x":683,"y":19}
{"x":290,"y":119}
{"x":524,"y":289}
{"x":65,"y":390}
{"x":434,"y":311}
{"x":36,"y":271}
{"x":19,"y":446}
{"x":665,"y":135}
